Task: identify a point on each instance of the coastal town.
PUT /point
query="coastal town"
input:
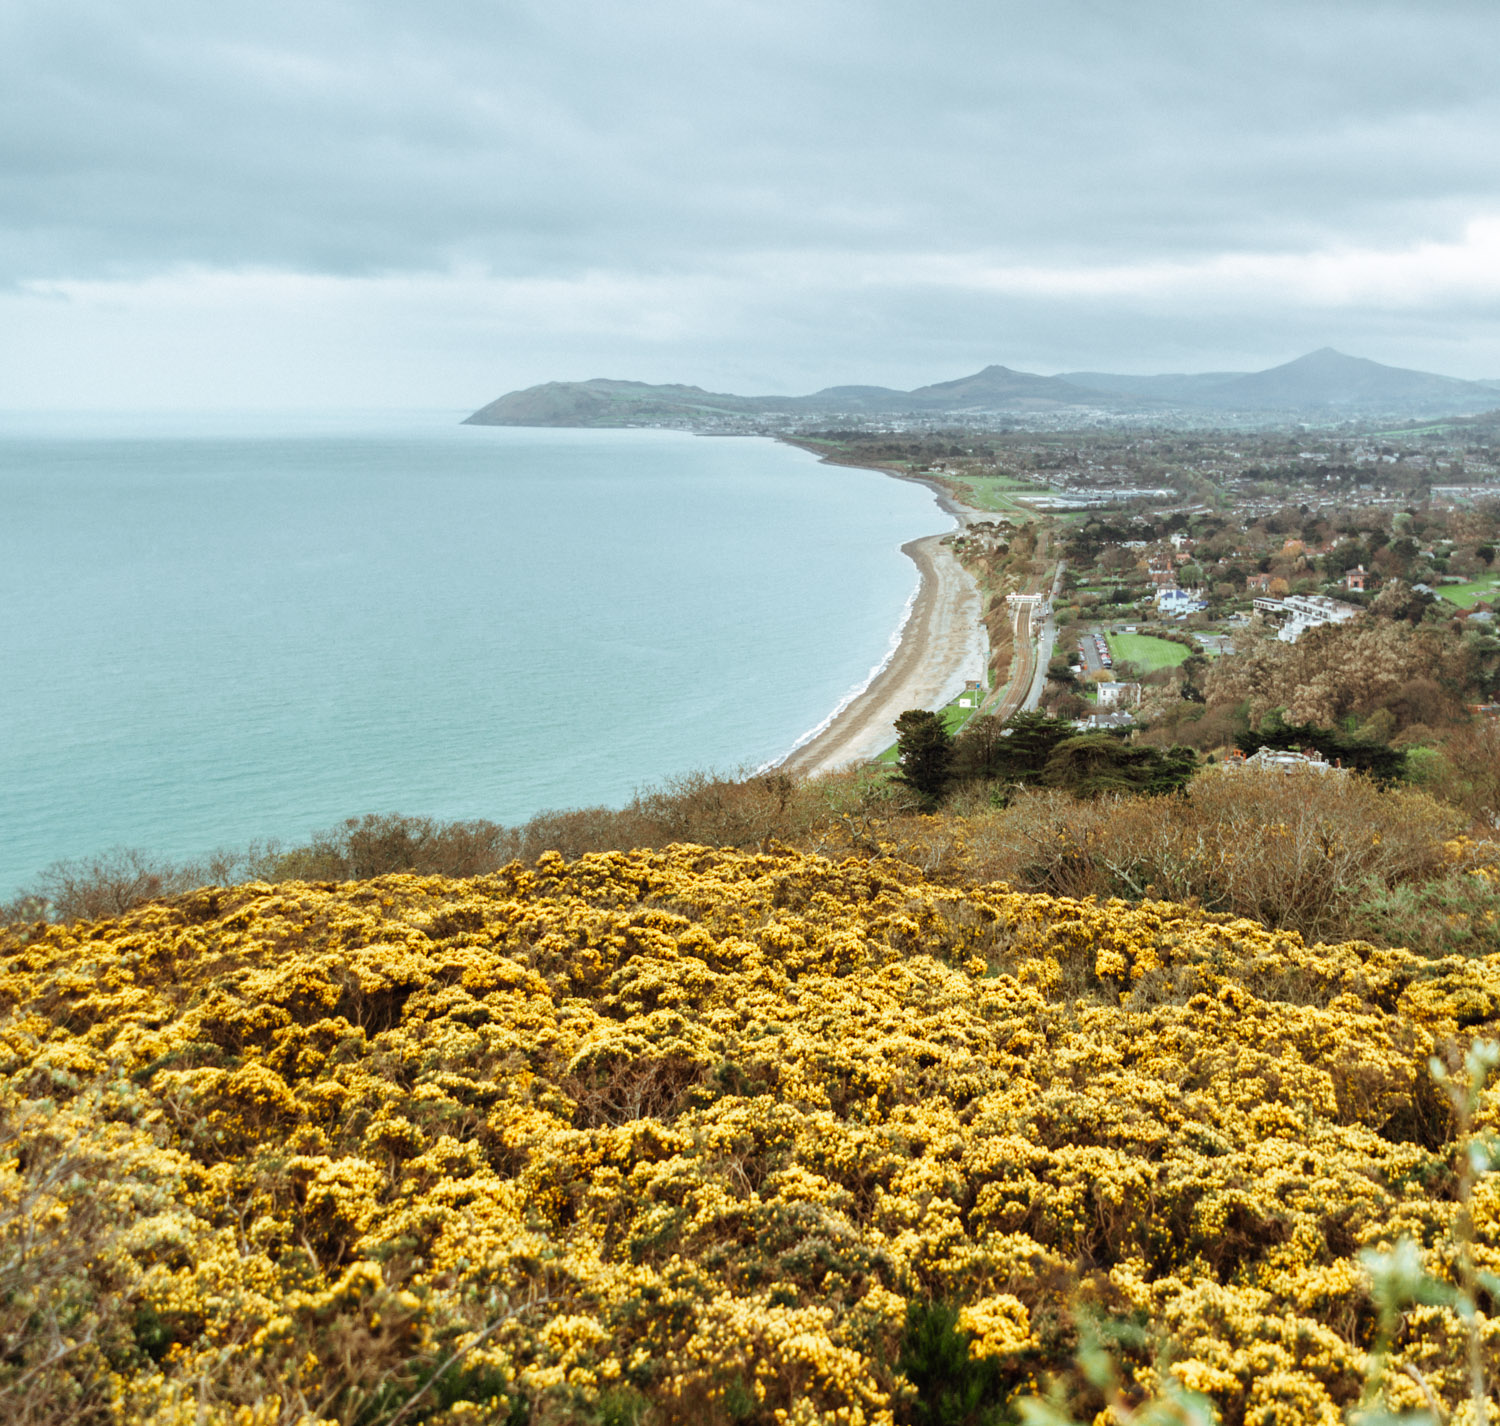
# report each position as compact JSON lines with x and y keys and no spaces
{"x":1124,"y":576}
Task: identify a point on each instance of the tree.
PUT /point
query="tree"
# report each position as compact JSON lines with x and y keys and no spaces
{"x":924,"y":752}
{"x":1095,"y":763}
{"x":1016,"y":751}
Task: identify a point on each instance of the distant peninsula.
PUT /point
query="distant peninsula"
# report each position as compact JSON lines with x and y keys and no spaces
{"x":1323,"y":385}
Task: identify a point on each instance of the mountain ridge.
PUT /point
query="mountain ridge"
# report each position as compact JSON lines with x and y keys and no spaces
{"x":1323,"y":382}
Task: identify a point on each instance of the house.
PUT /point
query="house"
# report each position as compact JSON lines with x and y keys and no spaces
{"x":1172,"y":600}
{"x":1261,"y":582}
{"x":1298,"y":613}
{"x":1284,"y":761}
{"x":1359,"y":578}
{"x":1112,"y":693}
{"x":1105,"y":722}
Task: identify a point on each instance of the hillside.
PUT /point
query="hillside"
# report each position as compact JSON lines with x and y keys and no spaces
{"x":704,"y":1136}
{"x":998,"y":388}
{"x":1323,"y":383}
{"x":603,"y":402}
{"x":1327,"y":379}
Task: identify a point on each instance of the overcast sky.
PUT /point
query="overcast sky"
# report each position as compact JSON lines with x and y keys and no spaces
{"x":429,"y":202}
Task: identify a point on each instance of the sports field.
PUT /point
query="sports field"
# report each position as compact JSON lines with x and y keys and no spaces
{"x":1145,"y":652}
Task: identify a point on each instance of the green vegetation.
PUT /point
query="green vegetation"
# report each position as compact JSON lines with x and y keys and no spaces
{"x":998,"y":492}
{"x":1472,"y":592}
{"x":925,"y":753}
{"x":1379,"y":760}
{"x":1147,"y":652}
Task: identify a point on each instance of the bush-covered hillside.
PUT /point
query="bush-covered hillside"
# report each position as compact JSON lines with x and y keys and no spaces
{"x":711,"y":1136}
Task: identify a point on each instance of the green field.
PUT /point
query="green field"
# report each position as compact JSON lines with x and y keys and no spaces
{"x":1145,"y":652}
{"x":996,"y":492}
{"x":954,"y":719}
{"x":1472,"y":592}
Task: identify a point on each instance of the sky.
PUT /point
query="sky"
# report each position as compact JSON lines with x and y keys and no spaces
{"x":425,"y":203}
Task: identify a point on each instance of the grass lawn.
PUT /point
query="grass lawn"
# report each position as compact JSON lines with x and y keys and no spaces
{"x":1472,"y":592}
{"x":953,"y":718}
{"x":996,"y":492}
{"x":1145,"y":652}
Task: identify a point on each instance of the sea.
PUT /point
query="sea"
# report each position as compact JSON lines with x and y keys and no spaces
{"x":222,"y":629}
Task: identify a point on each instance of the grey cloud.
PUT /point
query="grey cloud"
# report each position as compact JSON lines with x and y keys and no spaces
{"x":529,"y":138}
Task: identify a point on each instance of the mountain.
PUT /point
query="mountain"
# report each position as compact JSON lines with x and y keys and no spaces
{"x":1176,"y":389}
{"x":852,"y":398}
{"x":1327,"y":380}
{"x":999,"y":388}
{"x":1322,"y":384}
{"x":602,"y":402}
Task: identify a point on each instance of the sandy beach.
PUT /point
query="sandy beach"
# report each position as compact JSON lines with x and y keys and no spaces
{"x":943,"y":644}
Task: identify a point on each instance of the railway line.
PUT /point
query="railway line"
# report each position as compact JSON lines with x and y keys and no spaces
{"x":1031,"y":649}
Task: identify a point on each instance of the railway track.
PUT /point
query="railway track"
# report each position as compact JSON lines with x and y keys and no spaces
{"x":1025,"y":652}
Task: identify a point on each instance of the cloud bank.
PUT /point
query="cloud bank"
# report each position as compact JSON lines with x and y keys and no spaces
{"x":324,"y":203}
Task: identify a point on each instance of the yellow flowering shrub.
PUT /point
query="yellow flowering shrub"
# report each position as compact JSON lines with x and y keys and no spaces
{"x":687,"y":1135}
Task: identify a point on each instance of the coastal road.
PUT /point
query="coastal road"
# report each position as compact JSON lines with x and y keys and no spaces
{"x":1046,"y":641}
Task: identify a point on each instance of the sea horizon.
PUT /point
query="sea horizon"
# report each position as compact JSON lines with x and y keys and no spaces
{"x":253,"y":595}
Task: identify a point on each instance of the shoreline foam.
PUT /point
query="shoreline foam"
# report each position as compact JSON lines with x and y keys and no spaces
{"x":893,"y":646}
{"x":939,"y":645}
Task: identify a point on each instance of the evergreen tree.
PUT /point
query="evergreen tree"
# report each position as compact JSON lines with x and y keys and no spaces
{"x":1092,"y":764}
{"x":1381,"y":761}
{"x":925,"y":752}
{"x":1016,"y":751}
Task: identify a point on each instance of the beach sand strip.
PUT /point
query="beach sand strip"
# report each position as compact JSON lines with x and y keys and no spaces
{"x":943,"y":644}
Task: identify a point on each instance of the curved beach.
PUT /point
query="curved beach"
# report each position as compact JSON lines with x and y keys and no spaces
{"x":942,"y":645}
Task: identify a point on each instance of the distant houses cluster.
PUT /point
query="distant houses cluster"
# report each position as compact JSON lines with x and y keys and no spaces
{"x":1286,"y":761}
{"x":1298,"y":613}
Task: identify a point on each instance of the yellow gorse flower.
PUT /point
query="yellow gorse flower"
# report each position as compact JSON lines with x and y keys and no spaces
{"x":698,"y":1126}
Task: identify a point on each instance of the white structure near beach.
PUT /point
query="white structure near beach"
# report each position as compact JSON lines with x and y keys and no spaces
{"x":1282,"y":760}
{"x":1122,"y":693}
{"x":1298,"y":613}
{"x":1172,"y":600}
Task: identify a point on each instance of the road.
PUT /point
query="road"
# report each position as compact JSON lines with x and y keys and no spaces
{"x":1092,"y":663}
{"x":1046,"y":642}
{"x":1033,"y":650}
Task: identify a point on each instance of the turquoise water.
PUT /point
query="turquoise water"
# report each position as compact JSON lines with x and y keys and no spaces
{"x":214,"y":630}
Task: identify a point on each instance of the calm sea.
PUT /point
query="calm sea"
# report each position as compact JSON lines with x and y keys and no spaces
{"x":214,"y":630}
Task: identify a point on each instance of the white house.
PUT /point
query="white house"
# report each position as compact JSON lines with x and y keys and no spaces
{"x":1298,"y":613}
{"x":1172,"y":600}
{"x":1283,"y":761}
{"x":1121,"y":693}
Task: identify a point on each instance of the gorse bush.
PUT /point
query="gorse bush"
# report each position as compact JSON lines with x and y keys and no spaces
{"x":1030,"y":802}
{"x":1332,"y":857}
{"x":712,"y":1136}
